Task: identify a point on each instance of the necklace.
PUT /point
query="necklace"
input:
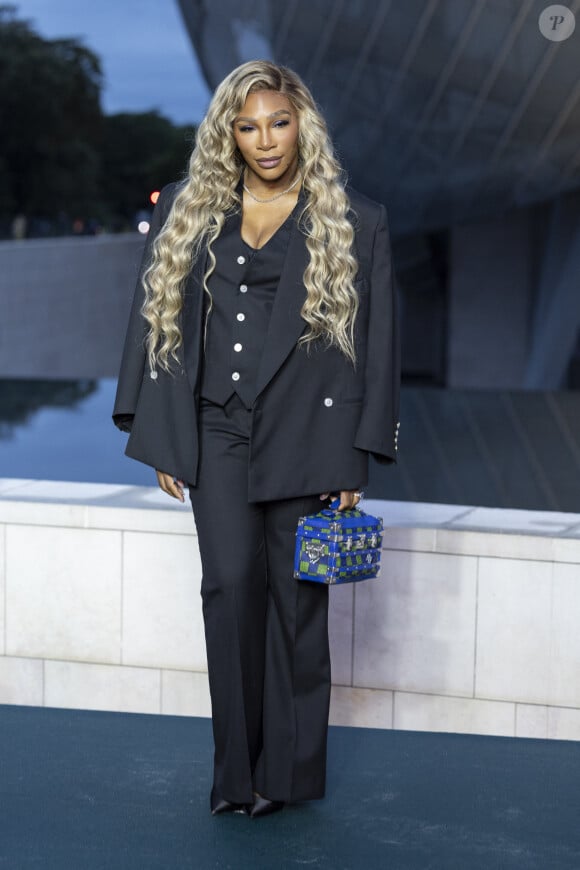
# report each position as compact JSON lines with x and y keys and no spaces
{"x":278,"y":195}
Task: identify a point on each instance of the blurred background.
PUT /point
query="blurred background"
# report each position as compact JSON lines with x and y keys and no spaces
{"x":462,"y":116}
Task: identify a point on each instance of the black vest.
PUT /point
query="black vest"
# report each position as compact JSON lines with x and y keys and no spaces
{"x":242,"y":285}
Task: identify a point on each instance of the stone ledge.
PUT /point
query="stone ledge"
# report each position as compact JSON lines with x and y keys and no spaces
{"x":92,"y":505}
{"x":454,"y":529}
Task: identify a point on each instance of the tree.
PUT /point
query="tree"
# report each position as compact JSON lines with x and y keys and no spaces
{"x":51,"y":122}
{"x":60,"y":158}
{"x":141,"y":152}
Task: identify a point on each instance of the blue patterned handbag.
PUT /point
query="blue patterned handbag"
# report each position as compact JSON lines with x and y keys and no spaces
{"x":338,"y":546}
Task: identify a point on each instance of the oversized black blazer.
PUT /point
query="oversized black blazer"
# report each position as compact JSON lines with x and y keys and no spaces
{"x":316,"y":418}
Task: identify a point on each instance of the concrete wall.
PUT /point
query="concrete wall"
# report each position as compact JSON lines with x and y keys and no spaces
{"x":65,"y":304}
{"x":472,"y":626}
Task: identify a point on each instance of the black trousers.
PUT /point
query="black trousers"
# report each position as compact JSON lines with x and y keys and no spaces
{"x":266,"y":633}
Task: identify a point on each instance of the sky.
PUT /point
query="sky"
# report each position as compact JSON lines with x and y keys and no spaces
{"x":147,"y":59}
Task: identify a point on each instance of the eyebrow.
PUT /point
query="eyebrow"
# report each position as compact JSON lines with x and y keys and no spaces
{"x":273,"y":115}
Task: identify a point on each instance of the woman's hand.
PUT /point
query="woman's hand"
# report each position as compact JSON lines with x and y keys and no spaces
{"x":170,"y":485}
{"x":349,"y":498}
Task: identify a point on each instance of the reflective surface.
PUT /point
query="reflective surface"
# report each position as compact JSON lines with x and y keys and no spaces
{"x":490,"y":448}
{"x":62,"y":430}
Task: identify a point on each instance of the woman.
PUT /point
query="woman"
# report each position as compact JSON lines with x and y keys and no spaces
{"x":260,"y":369}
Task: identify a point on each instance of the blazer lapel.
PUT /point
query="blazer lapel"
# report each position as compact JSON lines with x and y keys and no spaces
{"x":286,"y":324}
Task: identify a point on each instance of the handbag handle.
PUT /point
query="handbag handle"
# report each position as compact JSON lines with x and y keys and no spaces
{"x":332,"y":510}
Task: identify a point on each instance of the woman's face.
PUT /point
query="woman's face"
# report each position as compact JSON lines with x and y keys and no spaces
{"x":266,"y":133}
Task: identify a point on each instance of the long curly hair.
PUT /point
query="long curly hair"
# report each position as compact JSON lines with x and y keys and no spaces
{"x":208,"y":195}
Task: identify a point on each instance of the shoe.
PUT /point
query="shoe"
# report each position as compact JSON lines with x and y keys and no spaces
{"x":220,"y":805}
{"x":263,"y":807}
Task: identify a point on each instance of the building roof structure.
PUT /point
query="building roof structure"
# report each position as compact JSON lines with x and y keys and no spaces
{"x":446,"y":110}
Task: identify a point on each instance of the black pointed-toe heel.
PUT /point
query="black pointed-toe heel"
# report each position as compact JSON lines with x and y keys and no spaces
{"x":263,"y":807}
{"x":220,"y":805}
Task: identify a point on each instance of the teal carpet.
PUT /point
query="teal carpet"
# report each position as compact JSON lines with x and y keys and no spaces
{"x":81,"y":790}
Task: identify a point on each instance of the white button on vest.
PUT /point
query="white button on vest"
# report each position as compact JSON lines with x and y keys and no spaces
{"x":241,"y":260}
{"x":241,"y":316}
{"x":243,"y":288}
{"x":237,"y":347}
{"x":328,"y":402}
{"x":235,"y":376}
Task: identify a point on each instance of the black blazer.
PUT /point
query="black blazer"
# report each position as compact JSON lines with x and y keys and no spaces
{"x":316,"y":419}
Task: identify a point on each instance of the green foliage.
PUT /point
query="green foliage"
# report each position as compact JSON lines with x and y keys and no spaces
{"x":141,"y":153}
{"x":50,"y":118}
{"x":60,"y":157}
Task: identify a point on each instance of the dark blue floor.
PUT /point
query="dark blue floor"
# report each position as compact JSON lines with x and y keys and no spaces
{"x":82,"y":790}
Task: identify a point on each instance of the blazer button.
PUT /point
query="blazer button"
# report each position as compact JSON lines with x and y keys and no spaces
{"x":241,"y":316}
{"x":241,"y":260}
{"x":235,"y":376}
{"x":243,"y":288}
{"x":153,"y":375}
{"x":328,"y":402}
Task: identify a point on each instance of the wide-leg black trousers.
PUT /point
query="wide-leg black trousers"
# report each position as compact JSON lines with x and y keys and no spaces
{"x":266,"y":633}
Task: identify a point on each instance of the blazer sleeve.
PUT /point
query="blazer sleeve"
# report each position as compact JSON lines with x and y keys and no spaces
{"x":134,"y":351}
{"x":378,"y":428}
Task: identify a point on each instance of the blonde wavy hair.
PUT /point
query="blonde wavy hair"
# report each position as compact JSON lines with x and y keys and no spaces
{"x":208,"y":194}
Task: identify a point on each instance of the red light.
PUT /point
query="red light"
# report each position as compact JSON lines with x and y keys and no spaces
{"x":154,"y":196}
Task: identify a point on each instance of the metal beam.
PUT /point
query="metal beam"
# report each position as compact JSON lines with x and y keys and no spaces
{"x":279,"y":42}
{"x":324,"y":42}
{"x":400,"y":77}
{"x":486,"y":87}
{"x":437,"y":93}
{"x":362,"y":58}
{"x":516,"y":115}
